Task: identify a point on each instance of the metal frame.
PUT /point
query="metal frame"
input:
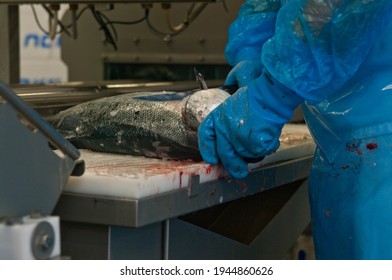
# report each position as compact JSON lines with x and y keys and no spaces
{"x":24,"y":189}
{"x":9,"y":44}
{"x":32,"y":175}
{"x":180,"y":238}
{"x":188,"y":241}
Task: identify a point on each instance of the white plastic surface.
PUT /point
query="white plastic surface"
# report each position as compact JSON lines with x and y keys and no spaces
{"x":126,"y":176}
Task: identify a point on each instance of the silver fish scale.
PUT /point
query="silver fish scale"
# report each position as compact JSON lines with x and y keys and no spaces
{"x":163,"y":118}
{"x":125,"y":124}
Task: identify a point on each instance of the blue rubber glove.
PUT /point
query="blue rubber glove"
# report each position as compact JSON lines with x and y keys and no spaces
{"x":247,"y":67}
{"x":247,"y":125}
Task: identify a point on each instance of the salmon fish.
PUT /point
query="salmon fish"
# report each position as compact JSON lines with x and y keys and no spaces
{"x":151,"y":124}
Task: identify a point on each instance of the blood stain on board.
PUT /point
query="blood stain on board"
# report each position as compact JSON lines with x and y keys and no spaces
{"x":181,"y":172}
{"x":209,"y":169}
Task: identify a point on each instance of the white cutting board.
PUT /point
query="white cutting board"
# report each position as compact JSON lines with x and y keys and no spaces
{"x":124,"y":176}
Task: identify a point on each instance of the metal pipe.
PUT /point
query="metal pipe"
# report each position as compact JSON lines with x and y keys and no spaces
{"x":62,"y":96}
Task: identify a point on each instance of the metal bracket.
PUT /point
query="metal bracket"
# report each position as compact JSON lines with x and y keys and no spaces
{"x":33,"y":175}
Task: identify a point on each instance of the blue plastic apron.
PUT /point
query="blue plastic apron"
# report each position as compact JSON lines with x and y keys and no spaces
{"x":350,"y":185}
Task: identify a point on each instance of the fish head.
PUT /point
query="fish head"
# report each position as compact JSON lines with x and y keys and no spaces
{"x":200,"y":104}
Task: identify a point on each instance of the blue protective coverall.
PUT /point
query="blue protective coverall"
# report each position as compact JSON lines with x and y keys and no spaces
{"x":336,"y":55}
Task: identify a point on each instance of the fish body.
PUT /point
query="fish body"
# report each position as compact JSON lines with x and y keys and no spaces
{"x":151,"y":124}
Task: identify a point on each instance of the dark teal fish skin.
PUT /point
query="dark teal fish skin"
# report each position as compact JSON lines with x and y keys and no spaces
{"x":157,"y":125}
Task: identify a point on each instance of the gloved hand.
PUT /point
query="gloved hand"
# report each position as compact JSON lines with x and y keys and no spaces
{"x":247,"y":125}
{"x":247,"y":67}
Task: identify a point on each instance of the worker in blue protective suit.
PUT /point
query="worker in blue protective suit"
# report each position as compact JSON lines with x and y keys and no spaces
{"x":334,"y":57}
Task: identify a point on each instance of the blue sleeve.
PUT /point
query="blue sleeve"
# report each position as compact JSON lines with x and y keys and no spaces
{"x":254,"y":25}
{"x":319,"y":44}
